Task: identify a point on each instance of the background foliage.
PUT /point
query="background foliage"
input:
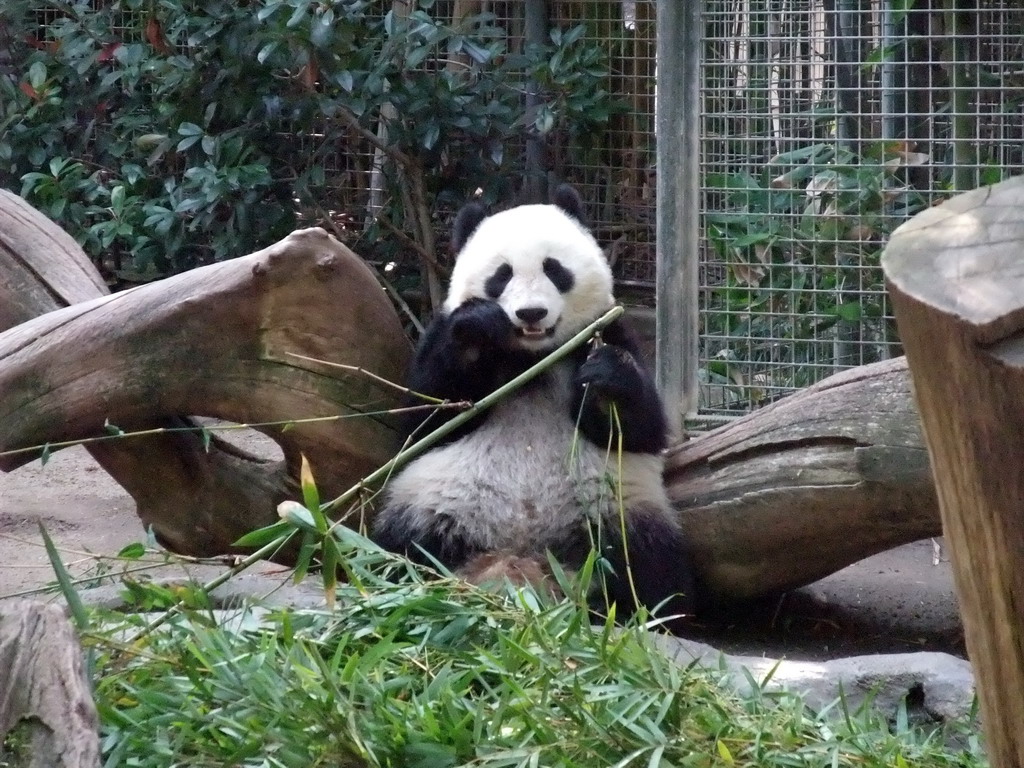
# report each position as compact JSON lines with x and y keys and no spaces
{"x":823,"y":127}
{"x":170,"y":133}
{"x":178,"y":133}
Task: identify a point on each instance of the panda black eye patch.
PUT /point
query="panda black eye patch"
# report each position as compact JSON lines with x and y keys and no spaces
{"x":559,"y":275}
{"x":496,"y":283}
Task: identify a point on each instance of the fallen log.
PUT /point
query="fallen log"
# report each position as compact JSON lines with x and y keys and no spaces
{"x":810,"y":484}
{"x":777,"y":499}
{"x":308,"y":294}
{"x":957,"y":281}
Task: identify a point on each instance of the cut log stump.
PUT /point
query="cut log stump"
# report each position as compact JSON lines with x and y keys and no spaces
{"x":956,"y":275}
{"x":43,"y":687}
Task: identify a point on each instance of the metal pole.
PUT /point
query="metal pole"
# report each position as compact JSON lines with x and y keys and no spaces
{"x":678,"y":225}
{"x":536,"y":27}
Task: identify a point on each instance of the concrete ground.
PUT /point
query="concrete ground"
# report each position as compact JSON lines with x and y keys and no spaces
{"x":897,"y":601}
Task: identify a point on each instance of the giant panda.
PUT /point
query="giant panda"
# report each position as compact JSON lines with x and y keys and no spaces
{"x":540,"y":471}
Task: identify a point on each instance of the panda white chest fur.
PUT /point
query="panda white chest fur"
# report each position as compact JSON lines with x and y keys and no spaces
{"x":522,"y":481}
{"x":548,"y":469}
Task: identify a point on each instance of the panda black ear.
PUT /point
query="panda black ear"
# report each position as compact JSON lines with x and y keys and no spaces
{"x":466,"y":222}
{"x":568,"y":199}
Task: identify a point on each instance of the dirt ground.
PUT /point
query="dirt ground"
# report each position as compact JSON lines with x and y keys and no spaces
{"x":897,"y":601}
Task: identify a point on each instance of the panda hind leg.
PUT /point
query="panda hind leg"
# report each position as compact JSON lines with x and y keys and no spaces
{"x":651,"y":567}
{"x":416,"y":535}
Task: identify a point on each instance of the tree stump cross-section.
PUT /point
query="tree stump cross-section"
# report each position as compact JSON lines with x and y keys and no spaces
{"x":956,"y":276}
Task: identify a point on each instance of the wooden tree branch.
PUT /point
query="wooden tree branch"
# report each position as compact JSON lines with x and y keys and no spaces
{"x":956,"y":276}
{"x":216,"y":342}
{"x":197,"y":500}
{"x":804,"y":487}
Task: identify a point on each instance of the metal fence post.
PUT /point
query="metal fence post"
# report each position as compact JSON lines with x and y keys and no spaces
{"x":678,"y":188}
{"x":536,"y":25}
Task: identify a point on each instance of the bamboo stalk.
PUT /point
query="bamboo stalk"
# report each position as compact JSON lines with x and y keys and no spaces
{"x":405,"y":456}
{"x":420,"y":446}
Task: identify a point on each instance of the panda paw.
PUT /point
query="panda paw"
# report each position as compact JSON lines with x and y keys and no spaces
{"x":612,"y":371}
{"x":480,"y":322}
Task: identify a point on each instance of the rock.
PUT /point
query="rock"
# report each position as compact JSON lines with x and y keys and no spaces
{"x":936,"y":685}
{"x":246,"y":588}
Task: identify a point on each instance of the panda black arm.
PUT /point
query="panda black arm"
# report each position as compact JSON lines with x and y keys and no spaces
{"x":614,"y":374}
{"x":457,"y":358}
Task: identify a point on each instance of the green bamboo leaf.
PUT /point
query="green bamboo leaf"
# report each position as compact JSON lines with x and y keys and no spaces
{"x":132,"y":551}
{"x":305,"y":558}
{"x":724,"y":753}
{"x":67,"y":588}
{"x":331,"y":558}
{"x":310,"y":495}
{"x":263,"y":536}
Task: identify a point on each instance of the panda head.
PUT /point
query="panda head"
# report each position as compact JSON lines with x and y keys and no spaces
{"x":538,"y":262}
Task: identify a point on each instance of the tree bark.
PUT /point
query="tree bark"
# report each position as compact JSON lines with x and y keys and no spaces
{"x":793,"y":492}
{"x":957,"y":281}
{"x":199,"y":497}
{"x":43,"y":685}
{"x":41,"y":267}
{"x":179,"y":486}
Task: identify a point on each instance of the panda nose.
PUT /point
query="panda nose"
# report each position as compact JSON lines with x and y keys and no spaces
{"x":531,"y":315}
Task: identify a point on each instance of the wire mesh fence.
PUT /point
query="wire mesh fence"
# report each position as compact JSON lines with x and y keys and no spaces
{"x":615,"y":174}
{"x":826,"y":124}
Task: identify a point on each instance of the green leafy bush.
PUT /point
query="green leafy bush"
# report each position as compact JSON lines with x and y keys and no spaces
{"x":801,"y":243}
{"x":181,"y":133}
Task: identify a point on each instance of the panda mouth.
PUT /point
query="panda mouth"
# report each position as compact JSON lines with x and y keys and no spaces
{"x":534,"y":333}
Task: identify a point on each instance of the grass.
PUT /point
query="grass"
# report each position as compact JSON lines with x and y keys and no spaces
{"x":423,"y":673}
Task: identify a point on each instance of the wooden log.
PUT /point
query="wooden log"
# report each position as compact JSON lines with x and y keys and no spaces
{"x":218,"y":341}
{"x":793,"y":492}
{"x":41,"y":267}
{"x":198,"y":495}
{"x":180,"y":484}
{"x":777,"y":499}
{"x":956,"y":275}
{"x":43,"y":686}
